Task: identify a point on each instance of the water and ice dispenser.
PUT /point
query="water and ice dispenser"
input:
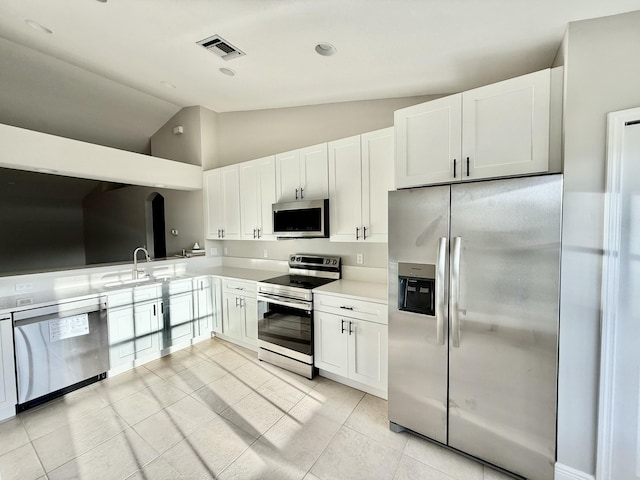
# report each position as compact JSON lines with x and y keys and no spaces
{"x":416,"y":288}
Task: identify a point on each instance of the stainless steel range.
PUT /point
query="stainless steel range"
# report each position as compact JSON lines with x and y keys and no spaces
{"x":285,"y":330}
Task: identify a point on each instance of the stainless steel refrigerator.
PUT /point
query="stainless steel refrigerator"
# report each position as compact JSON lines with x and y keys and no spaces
{"x":474,"y":272}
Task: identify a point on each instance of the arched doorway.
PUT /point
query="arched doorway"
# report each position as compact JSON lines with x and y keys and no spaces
{"x":156,"y":240}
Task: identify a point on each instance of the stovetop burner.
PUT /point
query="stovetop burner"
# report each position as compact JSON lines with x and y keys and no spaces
{"x":299,"y":281}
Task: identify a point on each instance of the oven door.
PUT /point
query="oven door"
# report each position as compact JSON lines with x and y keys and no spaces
{"x":286,"y":329}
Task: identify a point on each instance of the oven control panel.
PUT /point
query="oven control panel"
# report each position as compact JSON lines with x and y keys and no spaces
{"x":303,"y":260}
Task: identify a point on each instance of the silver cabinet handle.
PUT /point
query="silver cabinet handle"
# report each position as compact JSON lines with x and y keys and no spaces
{"x":346,"y":308}
{"x":218,"y":233}
{"x":440,"y":300}
{"x":342,"y":325}
{"x":455,"y":292}
{"x":238,"y":288}
{"x":350,"y":327}
{"x":154,"y":309}
{"x":364,"y":233}
{"x":357,"y":232}
{"x":296,"y":193}
{"x":454,"y":168}
{"x":467,"y":166}
{"x":259,"y":233}
{"x":254,"y":233}
{"x":301,"y":192}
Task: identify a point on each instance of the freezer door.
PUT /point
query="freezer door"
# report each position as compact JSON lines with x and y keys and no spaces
{"x":418,"y":241}
{"x":505,"y":264}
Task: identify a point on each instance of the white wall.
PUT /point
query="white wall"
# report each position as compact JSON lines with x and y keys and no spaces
{"x":602,"y":68}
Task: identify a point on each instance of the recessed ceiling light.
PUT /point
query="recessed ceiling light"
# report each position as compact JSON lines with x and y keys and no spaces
{"x":228,"y":72}
{"x":325,"y":49}
{"x":164,"y":83}
{"x":36,"y":26}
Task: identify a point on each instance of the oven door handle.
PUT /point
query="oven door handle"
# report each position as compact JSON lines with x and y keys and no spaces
{"x":265,"y":297}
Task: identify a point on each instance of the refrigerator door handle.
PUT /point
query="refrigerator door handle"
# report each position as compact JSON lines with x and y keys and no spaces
{"x":442,"y":252}
{"x":455,"y":292}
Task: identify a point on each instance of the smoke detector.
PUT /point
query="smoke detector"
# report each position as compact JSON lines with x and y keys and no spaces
{"x":218,"y":45}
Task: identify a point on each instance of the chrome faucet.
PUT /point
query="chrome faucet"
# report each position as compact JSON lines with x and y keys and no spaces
{"x":139,"y":273}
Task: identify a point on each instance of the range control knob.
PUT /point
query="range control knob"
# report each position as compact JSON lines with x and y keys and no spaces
{"x":326,"y":261}
{"x":335,"y":262}
{"x":293,"y":259}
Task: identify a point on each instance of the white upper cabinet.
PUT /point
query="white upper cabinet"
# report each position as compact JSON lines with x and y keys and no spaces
{"x":302,"y":174}
{"x":360,"y":175}
{"x":257,"y":195}
{"x":428,"y":141}
{"x":377,"y":180}
{"x":222,"y":203}
{"x":492,"y":131}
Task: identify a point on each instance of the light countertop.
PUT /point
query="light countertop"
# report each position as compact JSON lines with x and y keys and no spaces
{"x":367,"y":291}
{"x":242,"y":273}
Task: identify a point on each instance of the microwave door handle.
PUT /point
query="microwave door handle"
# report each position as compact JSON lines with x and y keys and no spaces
{"x":455,"y":292}
{"x":440,"y":271}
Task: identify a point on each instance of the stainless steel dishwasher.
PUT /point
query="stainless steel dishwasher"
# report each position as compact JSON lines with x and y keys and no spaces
{"x":60,"y":348}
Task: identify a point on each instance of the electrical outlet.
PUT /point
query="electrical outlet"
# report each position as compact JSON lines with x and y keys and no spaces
{"x":213,"y":251}
{"x":265,"y":254}
{"x":23,"y":287}
{"x":21,"y":302}
{"x":359,"y":259}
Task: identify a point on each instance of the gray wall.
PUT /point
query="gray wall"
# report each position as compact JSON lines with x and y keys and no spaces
{"x":602,"y":68}
{"x":41,"y":221}
{"x":249,"y":135}
{"x":115,"y":222}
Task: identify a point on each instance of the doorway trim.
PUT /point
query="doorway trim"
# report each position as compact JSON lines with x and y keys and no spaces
{"x":616,"y":123}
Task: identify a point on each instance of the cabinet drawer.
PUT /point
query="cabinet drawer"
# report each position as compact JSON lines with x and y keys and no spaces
{"x":180,"y":286}
{"x":133,"y":295}
{"x":352,"y":308}
{"x":239,"y":287}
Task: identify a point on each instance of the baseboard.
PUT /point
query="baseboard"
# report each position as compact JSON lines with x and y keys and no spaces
{"x":564,"y":472}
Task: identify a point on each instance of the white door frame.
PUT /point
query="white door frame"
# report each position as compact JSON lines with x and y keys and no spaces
{"x":616,"y":122}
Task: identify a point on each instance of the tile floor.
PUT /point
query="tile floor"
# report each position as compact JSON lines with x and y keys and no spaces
{"x":215,"y":411}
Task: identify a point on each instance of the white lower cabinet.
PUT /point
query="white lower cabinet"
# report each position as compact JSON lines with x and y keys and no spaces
{"x":353,"y":344}
{"x":179,"y":317}
{"x":8,"y":393}
{"x":240,"y":316}
{"x":135,"y":326}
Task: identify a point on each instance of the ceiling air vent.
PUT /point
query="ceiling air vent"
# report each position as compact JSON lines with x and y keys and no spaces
{"x":221,"y":47}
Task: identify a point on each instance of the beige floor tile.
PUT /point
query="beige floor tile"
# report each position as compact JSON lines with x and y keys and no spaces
{"x":261,"y":462}
{"x":411,"y":469}
{"x":145,"y":403}
{"x":211,"y":347}
{"x":164,"y":429}
{"x":20,"y":464}
{"x":229,"y":360}
{"x":80,"y":436}
{"x":331,"y":400}
{"x":371,"y":419}
{"x":289,"y":390}
{"x":12,"y":435}
{"x":252,"y":375}
{"x":127,"y":383}
{"x":206,"y":452}
{"x":192,"y":378}
{"x":118,"y":457}
{"x":301,"y":442}
{"x":169,"y":365}
{"x":158,"y":469}
{"x":52,"y":415}
{"x":351,"y":455}
{"x":442,"y":459}
{"x":222,"y":393}
{"x":491,"y":474}
{"x":256,"y":413}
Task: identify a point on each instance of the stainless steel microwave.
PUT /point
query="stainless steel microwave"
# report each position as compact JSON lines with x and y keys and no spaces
{"x":302,"y":219}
